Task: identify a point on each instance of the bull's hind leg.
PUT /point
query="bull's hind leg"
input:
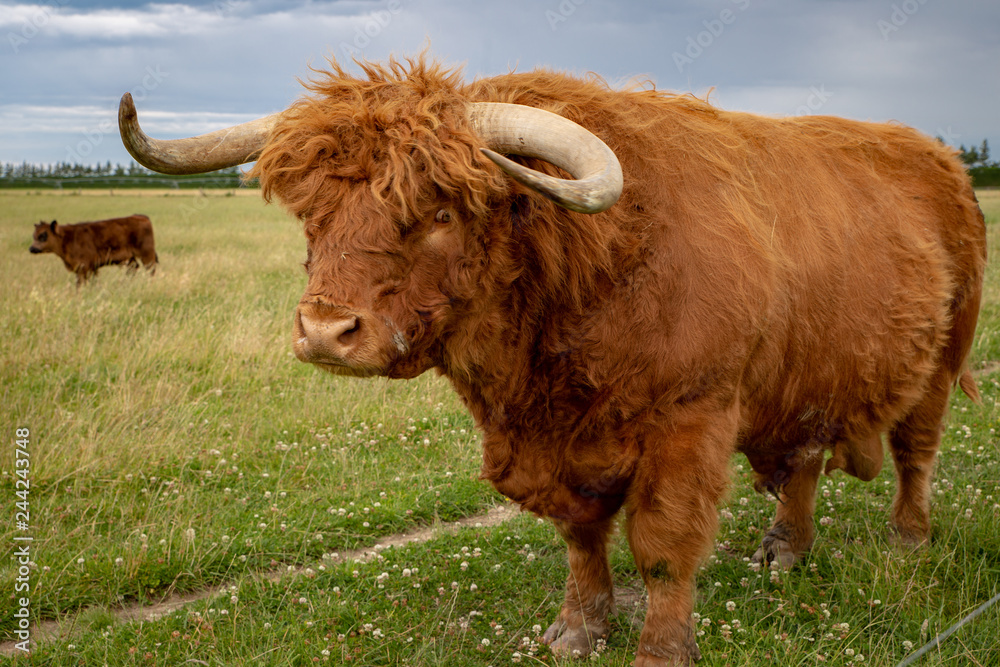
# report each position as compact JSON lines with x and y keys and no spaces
{"x":914,"y":443}
{"x":589,"y":590}
{"x":792,"y":532}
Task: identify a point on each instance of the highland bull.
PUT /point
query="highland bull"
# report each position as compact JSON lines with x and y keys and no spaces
{"x":622,"y":307}
{"x":87,"y":246}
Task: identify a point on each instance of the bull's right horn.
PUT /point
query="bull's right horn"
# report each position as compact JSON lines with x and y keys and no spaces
{"x":522,"y":130}
{"x":195,"y":155}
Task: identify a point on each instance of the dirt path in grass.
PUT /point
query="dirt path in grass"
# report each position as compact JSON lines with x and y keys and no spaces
{"x":69,"y":625}
{"x":987,"y":368}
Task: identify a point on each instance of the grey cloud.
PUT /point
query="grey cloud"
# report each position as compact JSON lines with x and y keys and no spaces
{"x":934,"y":67}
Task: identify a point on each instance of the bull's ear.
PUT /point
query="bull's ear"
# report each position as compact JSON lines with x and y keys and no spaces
{"x":53,"y":226}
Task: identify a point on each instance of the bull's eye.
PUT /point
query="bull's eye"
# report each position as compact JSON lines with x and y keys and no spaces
{"x":443,"y":217}
{"x":43,"y":236}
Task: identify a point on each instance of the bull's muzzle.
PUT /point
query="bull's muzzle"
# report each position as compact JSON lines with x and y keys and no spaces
{"x":339,"y":339}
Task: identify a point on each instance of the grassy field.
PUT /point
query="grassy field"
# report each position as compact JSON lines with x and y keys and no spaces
{"x":175,"y":445}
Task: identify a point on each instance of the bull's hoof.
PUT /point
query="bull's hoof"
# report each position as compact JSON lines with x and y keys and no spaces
{"x":775,"y":550}
{"x":575,"y":642}
{"x":682,"y":656}
{"x":908,"y":540}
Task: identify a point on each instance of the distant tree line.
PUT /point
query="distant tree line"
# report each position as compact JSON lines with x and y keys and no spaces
{"x":107,"y":175}
{"x":984,"y":173}
{"x":977,"y":157}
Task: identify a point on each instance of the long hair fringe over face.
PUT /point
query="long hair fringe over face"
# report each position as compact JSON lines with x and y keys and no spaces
{"x":401,"y":133}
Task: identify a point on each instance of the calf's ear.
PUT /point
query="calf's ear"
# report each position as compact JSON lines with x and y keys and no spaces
{"x":53,"y":226}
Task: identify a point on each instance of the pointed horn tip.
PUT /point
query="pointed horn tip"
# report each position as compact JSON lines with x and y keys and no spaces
{"x":126,"y":108}
{"x":579,"y":201}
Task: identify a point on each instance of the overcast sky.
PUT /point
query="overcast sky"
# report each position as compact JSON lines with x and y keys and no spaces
{"x":197,"y":66}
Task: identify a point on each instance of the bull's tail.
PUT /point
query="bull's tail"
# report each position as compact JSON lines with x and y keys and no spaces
{"x":968,"y":386}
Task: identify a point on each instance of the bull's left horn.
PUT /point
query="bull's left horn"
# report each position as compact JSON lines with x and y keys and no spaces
{"x":532,"y":132}
{"x":195,"y":155}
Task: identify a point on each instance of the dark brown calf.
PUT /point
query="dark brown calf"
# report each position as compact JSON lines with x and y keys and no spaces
{"x":87,"y":246}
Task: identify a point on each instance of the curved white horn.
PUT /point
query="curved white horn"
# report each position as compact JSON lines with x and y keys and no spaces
{"x":195,"y":155}
{"x":522,"y":130}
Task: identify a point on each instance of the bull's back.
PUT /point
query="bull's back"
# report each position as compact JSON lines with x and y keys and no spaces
{"x":877,"y":255}
{"x":837,"y":263}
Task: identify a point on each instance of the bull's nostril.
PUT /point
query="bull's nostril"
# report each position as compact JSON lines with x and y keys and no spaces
{"x":350,"y":335}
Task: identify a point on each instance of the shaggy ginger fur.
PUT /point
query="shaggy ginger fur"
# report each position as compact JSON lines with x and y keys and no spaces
{"x":781,"y":287}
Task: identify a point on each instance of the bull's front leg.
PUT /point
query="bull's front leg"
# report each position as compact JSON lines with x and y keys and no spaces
{"x":589,"y":590}
{"x":672,"y":519}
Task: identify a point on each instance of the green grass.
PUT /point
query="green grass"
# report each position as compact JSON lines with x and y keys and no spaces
{"x":176,"y":445}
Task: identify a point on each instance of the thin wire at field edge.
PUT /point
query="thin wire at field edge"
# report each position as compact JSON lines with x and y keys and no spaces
{"x":947,"y":633}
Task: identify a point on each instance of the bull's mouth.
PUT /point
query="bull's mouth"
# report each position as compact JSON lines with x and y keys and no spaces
{"x":349,"y":371}
{"x":400,"y":369}
{"x":34,"y":251}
